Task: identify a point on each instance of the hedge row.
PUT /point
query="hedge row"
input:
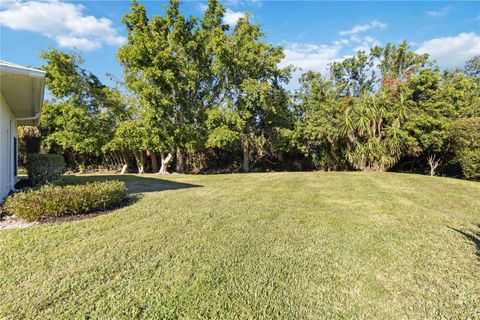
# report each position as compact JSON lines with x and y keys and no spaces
{"x":56,"y":201}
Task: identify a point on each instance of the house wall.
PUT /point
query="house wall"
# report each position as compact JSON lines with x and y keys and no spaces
{"x":8,"y":130}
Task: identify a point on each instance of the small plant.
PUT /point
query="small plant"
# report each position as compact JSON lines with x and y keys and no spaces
{"x":56,"y":201}
{"x":44,"y":168}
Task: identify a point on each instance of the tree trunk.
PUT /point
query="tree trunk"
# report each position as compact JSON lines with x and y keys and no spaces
{"x":82,"y":167}
{"x":165,"y":162}
{"x":124,"y":159}
{"x":246,"y":160}
{"x":433,"y":162}
{"x":117,"y":160}
{"x":153,"y":158}
{"x":141,"y":167}
{"x":114,"y":160}
{"x":140,"y":162}
{"x":180,"y":161}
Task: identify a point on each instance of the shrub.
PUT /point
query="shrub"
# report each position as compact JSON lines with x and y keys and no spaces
{"x":56,"y":201}
{"x":465,"y":139}
{"x":29,"y":140}
{"x":44,"y":168}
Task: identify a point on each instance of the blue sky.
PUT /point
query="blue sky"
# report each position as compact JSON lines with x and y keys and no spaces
{"x":313,"y":33}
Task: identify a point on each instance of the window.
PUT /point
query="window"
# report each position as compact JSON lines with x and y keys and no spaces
{"x":15,"y":160}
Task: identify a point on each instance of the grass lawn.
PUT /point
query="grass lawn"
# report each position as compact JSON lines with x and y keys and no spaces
{"x":278,"y":245}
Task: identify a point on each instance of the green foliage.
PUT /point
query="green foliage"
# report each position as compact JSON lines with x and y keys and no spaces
{"x":462,"y":92}
{"x":398,"y":64}
{"x":206,"y":94}
{"x":472,"y":67}
{"x":374,"y":131}
{"x":56,"y":201}
{"x":29,"y":141}
{"x":129,"y":135}
{"x":354,"y":76}
{"x":465,"y":139}
{"x":255,"y":103}
{"x":183,"y":70}
{"x":44,"y":168}
{"x":81,"y":116}
{"x":370,"y":121}
{"x":74,"y":128}
{"x":170,"y":54}
{"x":318,"y":110}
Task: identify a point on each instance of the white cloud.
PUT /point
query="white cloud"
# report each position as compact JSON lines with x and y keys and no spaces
{"x":310,"y":56}
{"x":365,"y":43}
{"x":231,"y":17}
{"x":341,"y":42}
{"x":74,"y":42}
{"x":440,"y":13}
{"x":364,"y":27}
{"x":453,"y":51}
{"x":318,"y":57}
{"x":307,"y":56}
{"x":63,"y":22}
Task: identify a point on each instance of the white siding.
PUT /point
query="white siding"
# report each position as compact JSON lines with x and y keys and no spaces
{"x":8,"y":130}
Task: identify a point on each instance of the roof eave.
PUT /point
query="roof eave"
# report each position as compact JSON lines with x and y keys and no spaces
{"x":22,"y":71}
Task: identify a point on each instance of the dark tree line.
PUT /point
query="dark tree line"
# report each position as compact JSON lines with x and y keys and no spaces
{"x":199,"y":96}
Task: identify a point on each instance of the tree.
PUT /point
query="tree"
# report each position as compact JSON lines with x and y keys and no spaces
{"x":200,"y":94}
{"x":169,"y":63}
{"x":253,"y":98}
{"x":317,"y":110}
{"x":398,"y":64}
{"x":360,"y":115}
{"x":130,"y":137}
{"x":355,"y":76}
{"x":464,"y":135}
{"x":462,"y":92}
{"x":79,"y":118}
{"x":429,"y":118}
{"x":472,"y":67}
{"x":437,"y":101}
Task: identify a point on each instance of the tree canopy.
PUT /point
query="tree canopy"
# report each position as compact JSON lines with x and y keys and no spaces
{"x":204,"y":96}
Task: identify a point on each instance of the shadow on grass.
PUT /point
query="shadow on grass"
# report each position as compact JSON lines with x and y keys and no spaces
{"x":134,"y":183}
{"x":471,"y":235}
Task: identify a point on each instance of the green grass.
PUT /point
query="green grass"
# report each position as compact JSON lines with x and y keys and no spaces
{"x":279,"y":245}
